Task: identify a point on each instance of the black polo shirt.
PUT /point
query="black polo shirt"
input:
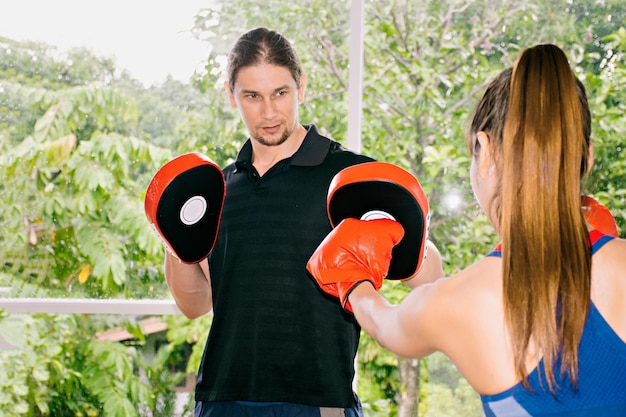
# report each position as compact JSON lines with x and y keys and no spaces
{"x":275,"y":336}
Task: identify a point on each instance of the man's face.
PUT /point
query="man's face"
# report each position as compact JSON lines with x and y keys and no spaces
{"x":267,"y":98}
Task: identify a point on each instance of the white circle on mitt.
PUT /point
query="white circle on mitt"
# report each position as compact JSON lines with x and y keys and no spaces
{"x":376,"y":214}
{"x":193,"y":210}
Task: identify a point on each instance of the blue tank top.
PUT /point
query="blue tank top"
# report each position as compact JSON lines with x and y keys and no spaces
{"x":601,"y":375}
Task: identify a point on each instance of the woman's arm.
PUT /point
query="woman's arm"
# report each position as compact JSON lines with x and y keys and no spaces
{"x":403,"y":329}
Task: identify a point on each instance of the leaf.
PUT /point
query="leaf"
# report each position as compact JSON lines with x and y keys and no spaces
{"x":20,"y":389}
{"x":41,"y":374}
{"x":42,"y":404}
{"x":105,"y":252}
{"x":132,"y":221}
{"x":135,"y":330}
{"x":21,"y":408}
{"x":59,"y":150}
{"x":84,"y":273}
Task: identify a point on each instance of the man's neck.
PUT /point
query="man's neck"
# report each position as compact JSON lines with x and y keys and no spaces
{"x":264,"y":157}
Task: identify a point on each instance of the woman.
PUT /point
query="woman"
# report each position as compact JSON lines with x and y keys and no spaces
{"x":537,"y":327}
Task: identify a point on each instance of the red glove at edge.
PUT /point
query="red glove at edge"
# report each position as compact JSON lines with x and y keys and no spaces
{"x":599,"y":216}
{"x":353,"y":252}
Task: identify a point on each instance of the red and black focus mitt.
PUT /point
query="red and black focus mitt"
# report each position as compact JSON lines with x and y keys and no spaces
{"x":599,"y":216}
{"x":380,"y":217}
{"x":184,"y":203}
{"x":382,"y":190}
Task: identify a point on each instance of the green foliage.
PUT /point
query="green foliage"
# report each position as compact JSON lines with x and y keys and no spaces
{"x":162,"y":379}
{"x":75,"y":200}
{"x":607,"y":181}
{"x":377,"y":372}
{"x":106,"y":375}
{"x":36,"y":68}
{"x":40,"y":64}
{"x":73,"y":223}
{"x":59,"y":370}
{"x":184,"y":331}
{"x":447,"y":393}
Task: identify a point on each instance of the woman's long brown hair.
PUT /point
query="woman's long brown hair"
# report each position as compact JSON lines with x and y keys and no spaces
{"x":539,"y":124}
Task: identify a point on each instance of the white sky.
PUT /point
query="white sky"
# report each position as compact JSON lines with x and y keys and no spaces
{"x":149,"y":38}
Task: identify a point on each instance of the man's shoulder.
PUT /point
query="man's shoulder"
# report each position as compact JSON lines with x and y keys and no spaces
{"x":229,"y":170}
{"x":340,"y":153}
{"x":318,"y":149}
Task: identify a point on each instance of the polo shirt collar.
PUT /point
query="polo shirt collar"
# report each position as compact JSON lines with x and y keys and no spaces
{"x":312,"y":151}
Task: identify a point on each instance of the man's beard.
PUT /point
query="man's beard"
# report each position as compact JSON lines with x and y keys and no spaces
{"x":283,"y":138}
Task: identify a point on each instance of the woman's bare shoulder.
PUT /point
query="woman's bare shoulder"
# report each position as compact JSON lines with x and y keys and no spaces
{"x":448,"y":306}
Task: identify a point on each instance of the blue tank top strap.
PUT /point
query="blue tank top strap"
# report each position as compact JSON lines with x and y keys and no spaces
{"x":596,"y":238}
{"x":497,"y":251}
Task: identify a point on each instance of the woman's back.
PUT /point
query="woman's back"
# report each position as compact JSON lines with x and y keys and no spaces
{"x":480,"y":346}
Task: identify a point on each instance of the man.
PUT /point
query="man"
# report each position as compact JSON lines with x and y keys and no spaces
{"x":278,"y":345}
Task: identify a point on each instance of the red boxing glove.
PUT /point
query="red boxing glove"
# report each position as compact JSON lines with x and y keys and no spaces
{"x":598,"y":216}
{"x":353,"y":252}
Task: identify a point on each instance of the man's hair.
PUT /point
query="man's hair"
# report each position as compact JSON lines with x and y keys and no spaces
{"x":262,"y":45}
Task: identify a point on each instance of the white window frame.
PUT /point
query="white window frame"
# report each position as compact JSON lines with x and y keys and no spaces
{"x":89,"y":306}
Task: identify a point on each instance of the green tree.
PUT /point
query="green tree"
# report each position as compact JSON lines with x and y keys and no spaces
{"x":73,"y":192}
{"x":60,"y":370}
{"x":73,"y":223}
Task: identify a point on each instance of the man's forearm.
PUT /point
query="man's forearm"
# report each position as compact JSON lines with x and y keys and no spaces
{"x":432,"y":268}
{"x":190,"y":286}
